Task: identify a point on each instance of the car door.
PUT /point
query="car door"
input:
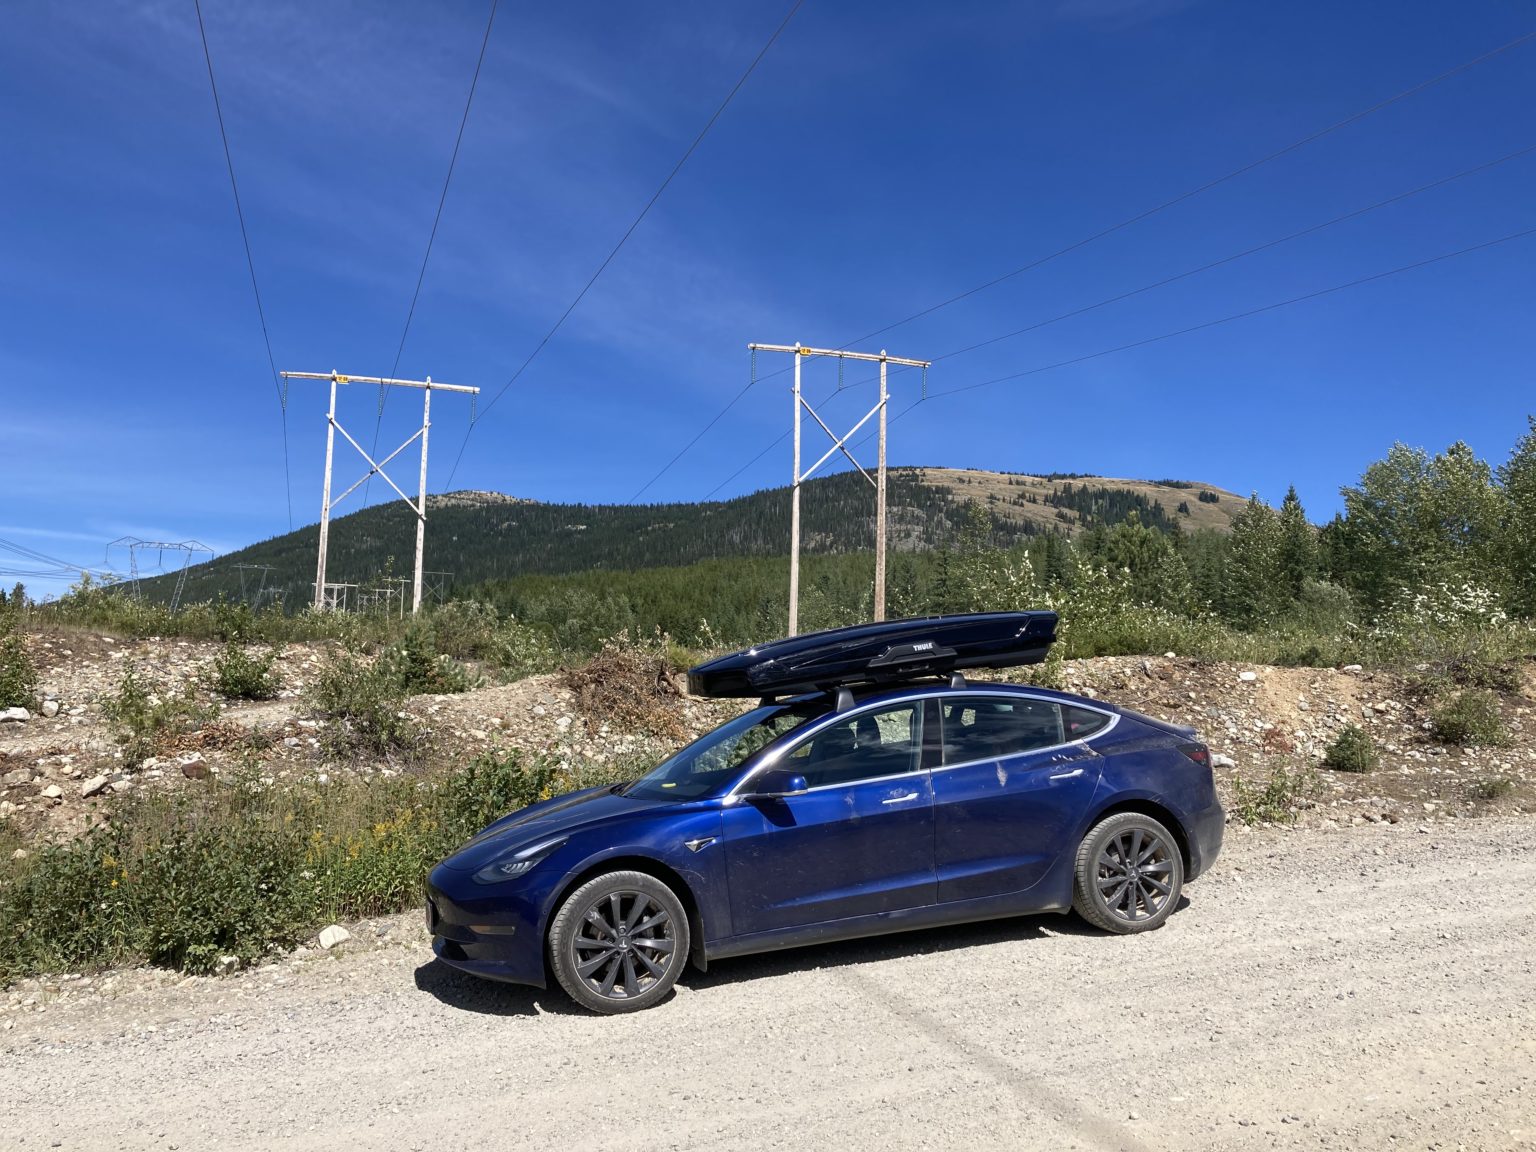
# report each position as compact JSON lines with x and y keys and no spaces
{"x":1013,"y":785}
{"x":858,"y":841}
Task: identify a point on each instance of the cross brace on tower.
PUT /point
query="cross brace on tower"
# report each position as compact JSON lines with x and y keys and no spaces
{"x":375,"y":467}
{"x":839,"y":444}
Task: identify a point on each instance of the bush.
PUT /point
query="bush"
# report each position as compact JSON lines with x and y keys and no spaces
{"x":148,"y":723}
{"x":1470,"y":717}
{"x":1352,"y":751}
{"x":415,"y":666}
{"x":18,"y":675}
{"x":1273,"y":802}
{"x":237,"y":675}
{"x":363,"y":702}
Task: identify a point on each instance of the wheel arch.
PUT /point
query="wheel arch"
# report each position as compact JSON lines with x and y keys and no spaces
{"x":1146,"y":807}
{"x":633,"y":863}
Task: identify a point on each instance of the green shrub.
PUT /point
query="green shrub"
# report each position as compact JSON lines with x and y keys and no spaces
{"x":237,"y":675}
{"x":1352,"y":750}
{"x":492,"y":785}
{"x":418,"y":669}
{"x":147,"y":722}
{"x":1469,"y":717}
{"x":18,"y":675}
{"x":363,"y":702}
{"x":1273,"y":802}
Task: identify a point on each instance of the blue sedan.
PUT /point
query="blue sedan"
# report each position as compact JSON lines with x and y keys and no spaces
{"x":832,"y":815}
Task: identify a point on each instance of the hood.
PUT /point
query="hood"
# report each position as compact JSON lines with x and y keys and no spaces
{"x":547,"y":820}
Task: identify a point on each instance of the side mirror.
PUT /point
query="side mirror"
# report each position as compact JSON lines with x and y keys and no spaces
{"x":776,"y":783}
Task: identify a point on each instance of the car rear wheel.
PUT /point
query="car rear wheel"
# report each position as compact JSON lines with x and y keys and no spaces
{"x":1129,"y":874}
{"x":619,"y":942}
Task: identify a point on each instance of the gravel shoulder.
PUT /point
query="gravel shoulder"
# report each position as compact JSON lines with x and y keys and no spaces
{"x":1349,"y":988}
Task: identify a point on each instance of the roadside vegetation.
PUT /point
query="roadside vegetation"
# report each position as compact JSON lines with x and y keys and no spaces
{"x":185,"y":878}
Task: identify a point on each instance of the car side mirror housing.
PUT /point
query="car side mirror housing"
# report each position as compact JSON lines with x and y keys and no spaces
{"x":776,"y":783}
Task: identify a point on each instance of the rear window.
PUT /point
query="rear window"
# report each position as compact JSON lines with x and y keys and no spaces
{"x":1083,"y":722}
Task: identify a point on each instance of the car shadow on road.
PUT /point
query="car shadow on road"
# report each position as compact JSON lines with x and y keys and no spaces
{"x":488,"y":997}
{"x":493,"y":998}
{"x":874,"y":949}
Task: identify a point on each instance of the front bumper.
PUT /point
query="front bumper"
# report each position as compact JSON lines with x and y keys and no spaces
{"x":1205,"y":833}
{"x":484,"y":930}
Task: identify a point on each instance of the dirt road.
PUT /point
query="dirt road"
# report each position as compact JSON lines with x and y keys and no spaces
{"x":1352,"y":989}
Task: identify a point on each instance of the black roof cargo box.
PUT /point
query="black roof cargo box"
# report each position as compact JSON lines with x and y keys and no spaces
{"x":888,"y":652}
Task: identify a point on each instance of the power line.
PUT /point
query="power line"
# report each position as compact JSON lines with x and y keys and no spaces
{"x":436,"y":219}
{"x":1143,"y":215}
{"x":601,"y":268}
{"x":1257,"y":248}
{"x":1358,"y":212}
{"x":1243,"y":315}
{"x":250,"y":263}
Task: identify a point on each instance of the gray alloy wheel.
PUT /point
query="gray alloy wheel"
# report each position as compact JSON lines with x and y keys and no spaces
{"x":619,"y":942}
{"x":1129,"y":874}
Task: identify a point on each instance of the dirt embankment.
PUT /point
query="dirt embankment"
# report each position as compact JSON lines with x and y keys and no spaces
{"x":1254,"y":717}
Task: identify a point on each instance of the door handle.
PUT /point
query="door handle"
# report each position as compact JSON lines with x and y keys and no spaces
{"x":900,"y":799}
{"x":1066,"y":775}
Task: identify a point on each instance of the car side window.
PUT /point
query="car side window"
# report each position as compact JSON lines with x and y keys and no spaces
{"x":1083,"y":722}
{"x":863,"y":747}
{"x":983,"y":728}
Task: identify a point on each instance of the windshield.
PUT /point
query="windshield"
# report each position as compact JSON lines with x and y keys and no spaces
{"x":712,"y":760}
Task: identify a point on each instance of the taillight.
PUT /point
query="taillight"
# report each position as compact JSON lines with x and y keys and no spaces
{"x":1199,"y":753}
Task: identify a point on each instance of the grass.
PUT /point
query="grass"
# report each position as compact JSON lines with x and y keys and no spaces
{"x":182,"y":878}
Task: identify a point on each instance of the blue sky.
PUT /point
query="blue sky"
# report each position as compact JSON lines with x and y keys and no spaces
{"x":882,"y":158}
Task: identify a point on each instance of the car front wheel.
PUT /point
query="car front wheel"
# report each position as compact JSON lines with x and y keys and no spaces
{"x":1129,"y":874}
{"x":619,"y":942}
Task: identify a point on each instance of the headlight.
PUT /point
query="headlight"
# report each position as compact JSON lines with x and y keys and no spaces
{"x":517,"y":863}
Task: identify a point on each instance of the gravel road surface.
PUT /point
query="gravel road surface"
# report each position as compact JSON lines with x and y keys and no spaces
{"x":1351,"y":989}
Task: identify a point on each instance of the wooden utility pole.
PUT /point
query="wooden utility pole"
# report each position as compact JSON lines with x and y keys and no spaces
{"x":418,"y":506}
{"x":839,"y":444}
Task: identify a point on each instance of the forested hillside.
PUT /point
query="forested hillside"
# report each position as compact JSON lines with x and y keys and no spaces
{"x":486,"y":536}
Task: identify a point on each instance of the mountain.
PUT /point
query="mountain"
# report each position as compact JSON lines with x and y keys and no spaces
{"x":478,"y":536}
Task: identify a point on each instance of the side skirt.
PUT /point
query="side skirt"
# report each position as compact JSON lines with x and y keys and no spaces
{"x":882,"y":923}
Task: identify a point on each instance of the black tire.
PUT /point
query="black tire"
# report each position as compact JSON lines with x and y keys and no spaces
{"x":1129,"y":874}
{"x":619,"y":942}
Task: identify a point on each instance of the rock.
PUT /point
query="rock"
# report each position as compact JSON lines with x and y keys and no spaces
{"x":194,"y":767}
{"x":332,"y":935}
{"x":19,"y":854}
{"x":1247,"y":677}
{"x":15,"y":716}
{"x":1221,"y":760}
{"x":53,"y":792}
{"x":1352,"y":669}
{"x":17,"y":776}
{"x":50,"y":708}
{"x":92,"y":786}
{"x":225,"y":965}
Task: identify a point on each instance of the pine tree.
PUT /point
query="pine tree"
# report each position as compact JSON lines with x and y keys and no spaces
{"x":1298,"y":545}
{"x":1253,"y":591}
